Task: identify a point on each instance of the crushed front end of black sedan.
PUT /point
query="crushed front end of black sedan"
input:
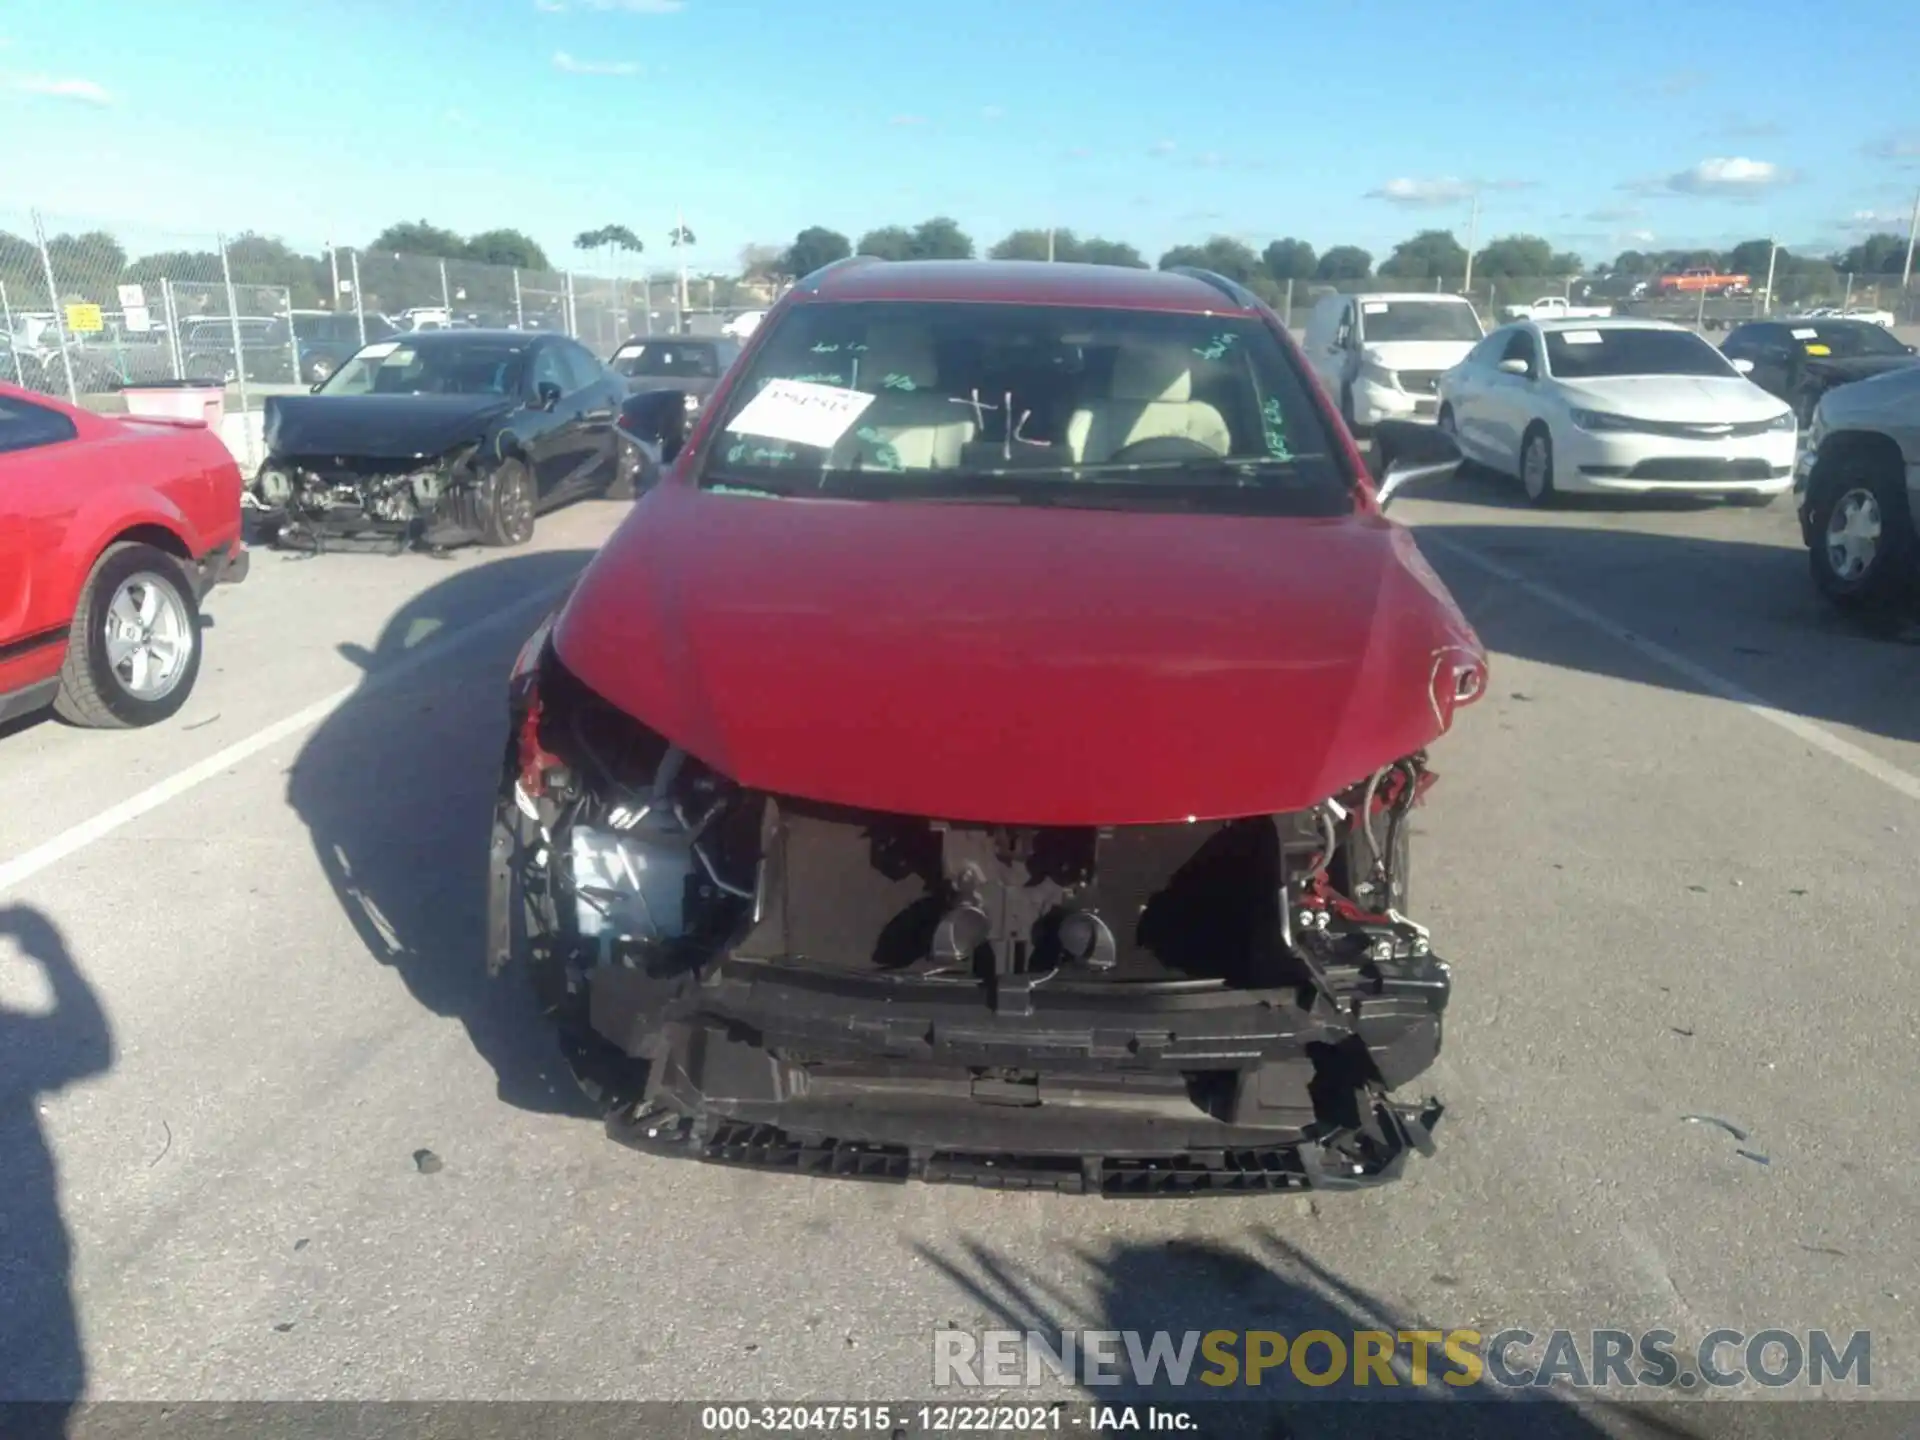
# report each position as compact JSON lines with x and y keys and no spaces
{"x":1157,"y":1010}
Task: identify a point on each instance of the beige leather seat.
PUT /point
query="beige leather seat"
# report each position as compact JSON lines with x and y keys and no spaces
{"x":911,"y":423}
{"x":1151,"y":398}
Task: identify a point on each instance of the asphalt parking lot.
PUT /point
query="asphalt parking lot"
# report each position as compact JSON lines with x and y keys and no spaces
{"x":1655,"y":858}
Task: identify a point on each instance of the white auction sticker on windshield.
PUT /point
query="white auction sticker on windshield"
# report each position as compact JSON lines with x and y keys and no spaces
{"x":1373,"y":307}
{"x":627,"y":352}
{"x":1806,"y":334}
{"x":1582,"y":337}
{"x":801,"y":413}
{"x":376,"y":352}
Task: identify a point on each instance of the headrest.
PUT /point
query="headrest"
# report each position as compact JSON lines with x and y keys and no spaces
{"x":898,"y":353}
{"x":1152,"y":373}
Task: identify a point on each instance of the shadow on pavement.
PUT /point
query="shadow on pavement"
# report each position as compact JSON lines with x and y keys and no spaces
{"x":1476,"y":485}
{"x":1744,"y":610}
{"x":1182,"y":1286}
{"x":396,"y":789}
{"x":41,"y":1356}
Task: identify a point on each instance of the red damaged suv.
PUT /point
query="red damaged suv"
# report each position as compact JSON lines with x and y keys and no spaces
{"x":985,"y":755}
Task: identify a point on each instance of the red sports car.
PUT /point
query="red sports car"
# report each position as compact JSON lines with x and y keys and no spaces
{"x":986,"y":754}
{"x":112,"y":530}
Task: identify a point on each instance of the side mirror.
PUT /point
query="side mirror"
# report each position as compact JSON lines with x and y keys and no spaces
{"x":1745,"y":367}
{"x":1407,"y":450}
{"x":657,"y":418}
{"x":547,"y":394}
{"x":1515,"y":367}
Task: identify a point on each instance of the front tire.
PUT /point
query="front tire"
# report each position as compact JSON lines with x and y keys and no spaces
{"x":133,"y":652}
{"x":1859,"y":532}
{"x":506,"y":506}
{"x":1536,"y":467}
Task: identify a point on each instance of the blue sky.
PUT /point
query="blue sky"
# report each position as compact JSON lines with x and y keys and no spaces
{"x":1339,"y":121}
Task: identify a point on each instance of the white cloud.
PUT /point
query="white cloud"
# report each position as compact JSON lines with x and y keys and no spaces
{"x":1212,"y":160}
{"x":993,"y":112}
{"x":1405,"y":191}
{"x":568,"y":65}
{"x":1872,"y":220}
{"x":1640,"y":237}
{"x":1164,"y":147}
{"x":85,"y":92}
{"x":1734,"y":175}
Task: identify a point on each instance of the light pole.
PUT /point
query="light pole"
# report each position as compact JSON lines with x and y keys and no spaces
{"x":1913,"y":224}
{"x":1473,"y":231}
{"x":1773,"y":254}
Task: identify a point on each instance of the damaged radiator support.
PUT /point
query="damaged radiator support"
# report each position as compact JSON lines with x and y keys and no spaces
{"x":799,"y":985}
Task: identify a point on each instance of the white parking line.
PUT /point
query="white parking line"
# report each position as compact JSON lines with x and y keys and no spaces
{"x":76,"y":838}
{"x":1845,"y":751}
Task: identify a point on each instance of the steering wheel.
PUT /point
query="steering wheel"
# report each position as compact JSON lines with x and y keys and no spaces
{"x":1162,"y":449}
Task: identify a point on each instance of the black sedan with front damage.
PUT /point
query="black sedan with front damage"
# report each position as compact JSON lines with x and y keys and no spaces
{"x":1800,"y":360}
{"x":441,"y":438}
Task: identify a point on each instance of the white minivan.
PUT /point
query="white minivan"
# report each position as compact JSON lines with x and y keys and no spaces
{"x":1381,"y":356}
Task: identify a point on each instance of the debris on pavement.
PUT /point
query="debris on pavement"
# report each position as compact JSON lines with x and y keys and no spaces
{"x":428,"y":1163}
{"x":284,"y":1326}
{"x":1757,"y":1159}
{"x":1734,"y":1130}
{"x":165,"y":1146}
{"x":1681,"y":1030}
{"x":1822,"y":1250}
{"x":300,"y":1244}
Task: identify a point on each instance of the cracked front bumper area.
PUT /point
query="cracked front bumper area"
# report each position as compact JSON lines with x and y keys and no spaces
{"x":1202,"y":1092}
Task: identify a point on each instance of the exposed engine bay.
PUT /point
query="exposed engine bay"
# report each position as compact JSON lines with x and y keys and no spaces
{"x":405,"y":501}
{"x":1202,"y":1006}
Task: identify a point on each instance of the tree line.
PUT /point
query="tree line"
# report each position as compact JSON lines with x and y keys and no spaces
{"x":402,"y":264}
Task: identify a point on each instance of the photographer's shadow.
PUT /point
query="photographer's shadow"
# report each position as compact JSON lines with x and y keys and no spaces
{"x":41,"y":1356}
{"x":396,"y":788}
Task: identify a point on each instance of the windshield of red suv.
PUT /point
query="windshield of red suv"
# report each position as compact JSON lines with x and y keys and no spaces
{"x":1049,"y":404}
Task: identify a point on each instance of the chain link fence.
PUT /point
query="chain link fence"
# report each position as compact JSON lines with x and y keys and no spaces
{"x":87,"y":310}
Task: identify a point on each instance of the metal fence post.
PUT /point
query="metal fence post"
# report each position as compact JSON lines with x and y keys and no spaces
{"x":519,"y":310}
{"x":6,"y":310}
{"x":359,"y":300}
{"x":239,"y":350}
{"x":59,"y":311}
{"x":573,"y":317}
{"x":171,"y":311}
{"x":446,"y":298}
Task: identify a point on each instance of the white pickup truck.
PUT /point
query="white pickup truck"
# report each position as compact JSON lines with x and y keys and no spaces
{"x":1556,"y":307}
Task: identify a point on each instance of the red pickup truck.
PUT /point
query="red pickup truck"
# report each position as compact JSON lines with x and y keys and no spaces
{"x":1692,"y":282}
{"x":112,"y":531}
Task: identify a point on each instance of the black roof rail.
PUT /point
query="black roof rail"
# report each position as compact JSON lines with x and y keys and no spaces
{"x":811,"y":283}
{"x":1234,"y":291}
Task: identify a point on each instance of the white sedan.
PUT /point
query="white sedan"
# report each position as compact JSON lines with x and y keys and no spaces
{"x":1617,"y":406}
{"x":1883,"y":318}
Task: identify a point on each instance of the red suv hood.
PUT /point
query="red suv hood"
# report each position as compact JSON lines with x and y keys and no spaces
{"x":1014,"y":664}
